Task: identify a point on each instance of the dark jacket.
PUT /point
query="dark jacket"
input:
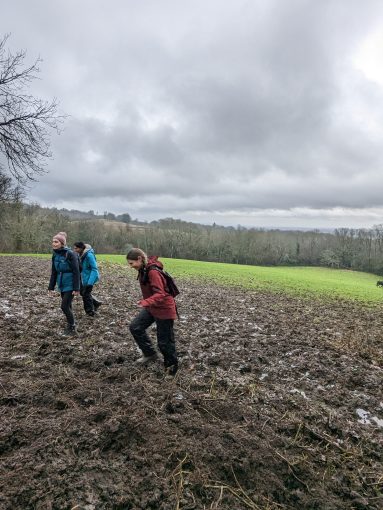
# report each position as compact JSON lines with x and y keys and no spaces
{"x":65,"y":270}
{"x":156,"y":295}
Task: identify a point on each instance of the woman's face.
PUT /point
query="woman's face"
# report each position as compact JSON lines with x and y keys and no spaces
{"x":56,"y":244}
{"x":135,"y":264}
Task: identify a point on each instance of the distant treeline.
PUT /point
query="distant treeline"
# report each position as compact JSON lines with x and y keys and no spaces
{"x":29,"y":228}
{"x":74,"y":214}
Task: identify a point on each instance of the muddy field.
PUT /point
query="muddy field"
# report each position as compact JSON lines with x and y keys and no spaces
{"x":278,"y":403}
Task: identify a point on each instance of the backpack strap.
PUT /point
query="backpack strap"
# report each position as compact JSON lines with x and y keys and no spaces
{"x":145,"y":279}
{"x":145,"y":273}
{"x":69,"y":256}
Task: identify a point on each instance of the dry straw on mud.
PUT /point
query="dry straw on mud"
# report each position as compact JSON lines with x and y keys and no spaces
{"x":262,"y":414}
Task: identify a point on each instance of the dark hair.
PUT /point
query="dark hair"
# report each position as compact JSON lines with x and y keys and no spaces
{"x":80,"y":244}
{"x":134,"y":253}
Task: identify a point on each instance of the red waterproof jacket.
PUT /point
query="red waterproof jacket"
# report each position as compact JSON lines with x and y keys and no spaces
{"x":155,"y":292}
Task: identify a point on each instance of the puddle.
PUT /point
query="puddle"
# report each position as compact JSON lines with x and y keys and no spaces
{"x":302,"y":393}
{"x":4,"y":305}
{"x":378,"y":421}
{"x":366,"y":419}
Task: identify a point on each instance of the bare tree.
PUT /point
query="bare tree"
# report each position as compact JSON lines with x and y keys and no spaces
{"x":25,"y":121}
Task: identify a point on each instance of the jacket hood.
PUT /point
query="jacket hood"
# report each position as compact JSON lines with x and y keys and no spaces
{"x":87,"y":249}
{"x":153,"y":261}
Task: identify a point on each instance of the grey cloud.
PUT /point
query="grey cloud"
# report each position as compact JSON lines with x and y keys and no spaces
{"x":204,"y":106}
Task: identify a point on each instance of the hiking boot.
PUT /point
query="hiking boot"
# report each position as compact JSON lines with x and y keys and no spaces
{"x":97,"y":305}
{"x":170,"y":372}
{"x":70,"y":330}
{"x":91,"y":314}
{"x":147,"y":359}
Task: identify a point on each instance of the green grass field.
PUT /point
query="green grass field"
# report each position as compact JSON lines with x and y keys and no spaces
{"x":304,"y":281}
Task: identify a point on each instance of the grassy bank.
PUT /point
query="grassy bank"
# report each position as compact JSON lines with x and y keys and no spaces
{"x":319,"y":281}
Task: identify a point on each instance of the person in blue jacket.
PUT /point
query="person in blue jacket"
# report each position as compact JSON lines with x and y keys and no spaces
{"x":65,"y":274}
{"x":89,"y":276}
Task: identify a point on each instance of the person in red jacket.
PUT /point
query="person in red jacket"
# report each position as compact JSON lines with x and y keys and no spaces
{"x":156,"y":306}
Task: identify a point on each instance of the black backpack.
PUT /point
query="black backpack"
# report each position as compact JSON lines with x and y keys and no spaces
{"x":170,"y":283}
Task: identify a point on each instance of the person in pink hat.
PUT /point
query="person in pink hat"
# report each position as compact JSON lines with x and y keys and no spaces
{"x":65,"y":274}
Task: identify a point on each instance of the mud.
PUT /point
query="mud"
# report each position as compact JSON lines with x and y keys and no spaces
{"x":278,"y":403}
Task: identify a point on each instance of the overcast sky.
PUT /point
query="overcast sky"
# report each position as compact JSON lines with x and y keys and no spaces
{"x":259,"y":112}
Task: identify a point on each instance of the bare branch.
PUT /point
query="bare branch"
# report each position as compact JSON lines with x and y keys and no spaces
{"x":25,"y":121}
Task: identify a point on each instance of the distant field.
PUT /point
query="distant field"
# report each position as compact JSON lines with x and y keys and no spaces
{"x":334,"y":283}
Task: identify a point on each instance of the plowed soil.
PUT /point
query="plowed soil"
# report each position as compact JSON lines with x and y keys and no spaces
{"x":277,"y":405}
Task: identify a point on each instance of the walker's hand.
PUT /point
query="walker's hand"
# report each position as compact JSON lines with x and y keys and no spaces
{"x":51,"y":293}
{"x":76,"y":293}
{"x":139,"y":304}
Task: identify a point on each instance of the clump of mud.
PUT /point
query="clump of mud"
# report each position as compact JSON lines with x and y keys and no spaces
{"x":278,"y":403}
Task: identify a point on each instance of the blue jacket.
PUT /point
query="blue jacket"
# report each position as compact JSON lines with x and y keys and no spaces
{"x":65,"y":270}
{"x":89,"y":272}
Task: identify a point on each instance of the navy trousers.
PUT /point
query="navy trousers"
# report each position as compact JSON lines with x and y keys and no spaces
{"x":66,"y":306}
{"x":90,"y":303}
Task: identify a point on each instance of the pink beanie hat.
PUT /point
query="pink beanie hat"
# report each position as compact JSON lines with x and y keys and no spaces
{"x":61,"y":236}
